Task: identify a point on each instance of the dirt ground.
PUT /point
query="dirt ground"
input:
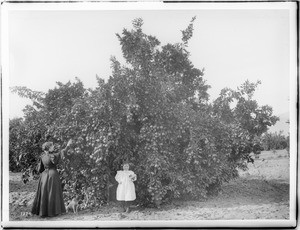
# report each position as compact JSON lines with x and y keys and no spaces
{"x":262,"y":192}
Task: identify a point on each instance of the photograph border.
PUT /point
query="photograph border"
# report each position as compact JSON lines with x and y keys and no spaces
{"x":96,"y":6}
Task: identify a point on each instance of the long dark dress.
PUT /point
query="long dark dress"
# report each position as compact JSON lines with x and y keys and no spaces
{"x":49,"y":196}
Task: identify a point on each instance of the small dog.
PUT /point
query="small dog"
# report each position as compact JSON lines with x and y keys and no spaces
{"x":250,"y":159}
{"x":73,"y":205}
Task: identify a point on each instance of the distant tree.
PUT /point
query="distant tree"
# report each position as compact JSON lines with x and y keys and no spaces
{"x":288,"y":144}
{"x":275,"y":141}
{"x":15,"y":134}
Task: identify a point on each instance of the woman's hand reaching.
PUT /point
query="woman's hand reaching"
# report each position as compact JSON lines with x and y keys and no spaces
{"x":66,"y":148}
{"x":69,"y":142}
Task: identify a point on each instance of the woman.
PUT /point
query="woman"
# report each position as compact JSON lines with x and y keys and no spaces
{"x":126,"y":188}
{"x":49,"y":196}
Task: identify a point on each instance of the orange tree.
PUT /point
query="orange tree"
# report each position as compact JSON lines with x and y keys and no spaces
{"x":153,"y":111}
{"x":26,"y":134}
{"x":250,"y":121}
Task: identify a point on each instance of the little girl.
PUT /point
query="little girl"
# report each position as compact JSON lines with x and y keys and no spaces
{"x":126,"y":188}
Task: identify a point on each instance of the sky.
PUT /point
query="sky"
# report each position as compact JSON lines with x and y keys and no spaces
{"x":47,"y":46}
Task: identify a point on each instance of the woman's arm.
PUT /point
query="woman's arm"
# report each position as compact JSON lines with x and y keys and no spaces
{"x":55,"y":157}
{"x":40,"y":166}
{"x":62,"y":152}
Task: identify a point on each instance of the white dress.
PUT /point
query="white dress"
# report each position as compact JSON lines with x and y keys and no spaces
{"x":126,"y":188}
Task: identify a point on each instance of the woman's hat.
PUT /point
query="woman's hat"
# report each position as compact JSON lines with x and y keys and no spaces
{"x":46,"y":146}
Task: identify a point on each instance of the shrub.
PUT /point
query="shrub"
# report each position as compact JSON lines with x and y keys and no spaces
{"x":154,"y":112}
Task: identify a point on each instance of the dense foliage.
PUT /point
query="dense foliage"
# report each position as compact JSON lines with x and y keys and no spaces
{"x":274,"y":141}
{"x":153,"y":111}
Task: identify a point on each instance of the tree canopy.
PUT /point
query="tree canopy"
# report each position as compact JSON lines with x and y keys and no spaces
{"x":152,"y":111}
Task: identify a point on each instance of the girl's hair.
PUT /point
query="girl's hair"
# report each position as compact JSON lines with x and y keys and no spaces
{"x":126,"y":163}
{"x":46,"y":146}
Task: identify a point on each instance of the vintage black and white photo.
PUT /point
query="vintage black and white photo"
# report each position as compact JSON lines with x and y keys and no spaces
{"x":149,"y":114}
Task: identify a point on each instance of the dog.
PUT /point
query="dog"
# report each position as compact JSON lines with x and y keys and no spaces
{"x":250,"y":159}
{"x":73,"y":205}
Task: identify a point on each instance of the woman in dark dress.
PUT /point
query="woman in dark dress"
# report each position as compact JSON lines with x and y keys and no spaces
{"x":49,"y":196}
